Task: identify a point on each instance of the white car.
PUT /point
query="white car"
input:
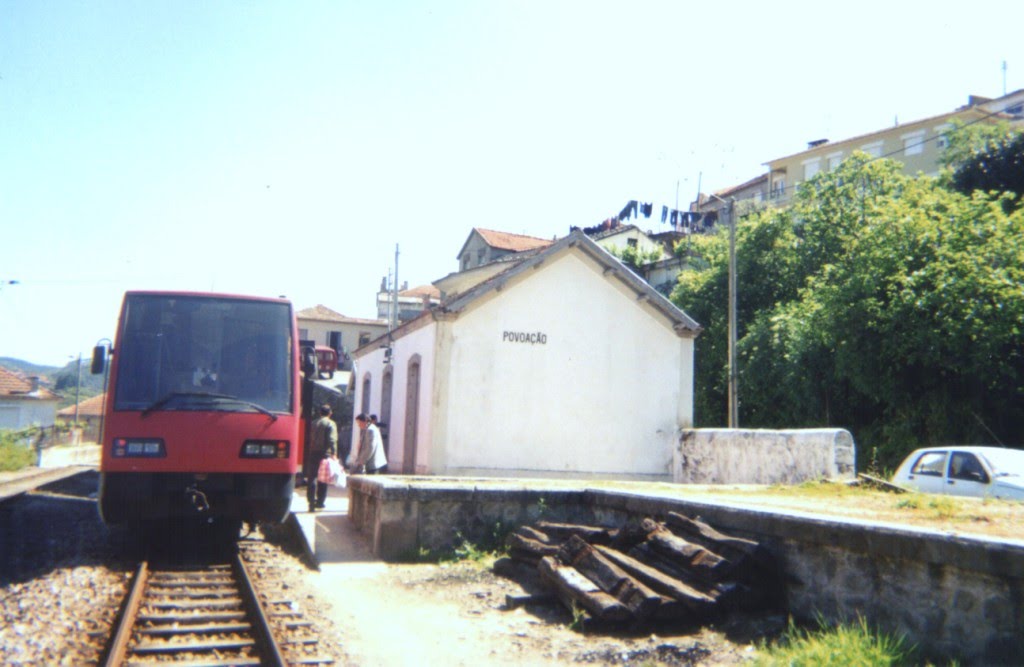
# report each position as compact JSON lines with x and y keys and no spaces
{"x":993,"y":472}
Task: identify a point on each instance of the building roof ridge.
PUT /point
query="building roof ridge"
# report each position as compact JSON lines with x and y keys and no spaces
{"x":860,"y":137}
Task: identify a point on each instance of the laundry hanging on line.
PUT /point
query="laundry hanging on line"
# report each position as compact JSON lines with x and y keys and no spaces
{"x":633,"y":210}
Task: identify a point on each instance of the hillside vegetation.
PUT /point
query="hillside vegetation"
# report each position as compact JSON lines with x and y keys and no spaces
{"x":885,"y":304}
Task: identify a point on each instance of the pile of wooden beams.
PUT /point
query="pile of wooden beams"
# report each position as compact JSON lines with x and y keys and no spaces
{"x":681,"y":568}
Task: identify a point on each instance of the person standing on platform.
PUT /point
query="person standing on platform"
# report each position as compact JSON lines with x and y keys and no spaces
{"x":324,"y":445}
{"x":371,"y":454}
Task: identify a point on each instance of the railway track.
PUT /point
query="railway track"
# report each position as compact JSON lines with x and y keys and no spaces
{"x":208,"y":615}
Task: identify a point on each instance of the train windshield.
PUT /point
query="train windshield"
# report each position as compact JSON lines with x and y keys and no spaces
{"x":204,"y":353}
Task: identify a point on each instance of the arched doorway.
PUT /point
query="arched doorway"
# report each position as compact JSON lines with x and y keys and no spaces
{"x":412,"y":410}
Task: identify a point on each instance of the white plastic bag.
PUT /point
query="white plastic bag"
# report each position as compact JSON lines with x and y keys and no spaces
{"x":330,"y":471}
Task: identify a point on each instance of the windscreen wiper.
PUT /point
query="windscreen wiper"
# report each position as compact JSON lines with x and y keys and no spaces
{"x":159,"y":403}
{"x":255,"y":406}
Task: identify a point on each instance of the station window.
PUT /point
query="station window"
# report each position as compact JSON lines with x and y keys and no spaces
{"x":913,"y":143}
{"x":873,"y":149}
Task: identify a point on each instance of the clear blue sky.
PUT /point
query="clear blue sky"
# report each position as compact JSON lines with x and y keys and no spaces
{"x":286,"y":147}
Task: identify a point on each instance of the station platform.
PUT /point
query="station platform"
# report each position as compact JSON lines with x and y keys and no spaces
{"x":329,"y":536}
{"x":18,"y":483}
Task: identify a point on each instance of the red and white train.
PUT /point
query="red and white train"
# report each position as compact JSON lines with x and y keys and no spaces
{"x":203,"y":416}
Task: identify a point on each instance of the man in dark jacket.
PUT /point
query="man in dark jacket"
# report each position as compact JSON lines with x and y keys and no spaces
{"x":323,"y":444}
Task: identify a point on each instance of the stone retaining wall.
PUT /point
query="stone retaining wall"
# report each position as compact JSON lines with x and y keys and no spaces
{"x":757,"y":456}
{"x":953,"y":595}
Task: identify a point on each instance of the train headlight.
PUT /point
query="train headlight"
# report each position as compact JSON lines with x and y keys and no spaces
{"x":139,"y":447}
{"x":265,"y":449}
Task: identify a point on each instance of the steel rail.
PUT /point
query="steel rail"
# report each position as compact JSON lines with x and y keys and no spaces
{"x":228,"y":597}
{"x":129,"y":613}
{"x":261,"y":625}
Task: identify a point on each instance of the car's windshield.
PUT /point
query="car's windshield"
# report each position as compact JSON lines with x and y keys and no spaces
{"x":1005,"y":462}
{"x":204,"y":353}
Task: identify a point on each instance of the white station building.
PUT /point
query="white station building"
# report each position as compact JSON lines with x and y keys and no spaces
{"x":564,"y":364}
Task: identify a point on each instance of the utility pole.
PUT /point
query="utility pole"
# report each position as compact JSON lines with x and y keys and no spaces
{"x":78,"y":386}
{"x":734,"y":412}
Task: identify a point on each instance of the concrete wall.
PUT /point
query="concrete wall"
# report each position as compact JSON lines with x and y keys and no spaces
{"x":620,"y":242}
{"x":319,"y":331}
{"x":743,"y":456}
{"x":420,"y":341}
{"x":953,"y":595}
{"x":563,"y":372}
{"x":22,"y":413}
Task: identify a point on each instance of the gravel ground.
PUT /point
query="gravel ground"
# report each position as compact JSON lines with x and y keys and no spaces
{"x":60,"y":579}
{"x":63,"y":575}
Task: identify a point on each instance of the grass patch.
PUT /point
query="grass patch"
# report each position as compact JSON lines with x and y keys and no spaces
{"x":579,"y":619}
{"x":937,"y":506}
{"x":480,"y":554}
{"x":841,"y":645}
{"x":989,"y":516}
{"x":14,"y":454}
{"x":820,"y":489}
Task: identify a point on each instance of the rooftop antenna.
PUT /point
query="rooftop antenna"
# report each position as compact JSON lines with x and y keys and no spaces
{"x":394,"y":313}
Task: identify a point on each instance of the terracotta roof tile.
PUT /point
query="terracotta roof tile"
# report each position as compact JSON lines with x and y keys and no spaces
{"x":90,"y":407}
{"x":422,"y":290}
{"x":320,"y":312}
{"x":513,"y":242}
{"x":13,"y":385}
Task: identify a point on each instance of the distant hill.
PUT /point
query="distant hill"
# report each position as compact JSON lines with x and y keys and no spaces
{"x":27,"y":368}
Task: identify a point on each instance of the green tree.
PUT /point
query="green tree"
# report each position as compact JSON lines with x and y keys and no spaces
{"x":634,"y":257}
{"x":877,"y":302}
{"x":986,"y":157}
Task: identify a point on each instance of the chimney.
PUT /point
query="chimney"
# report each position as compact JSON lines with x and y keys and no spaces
{"x":35,"y":384}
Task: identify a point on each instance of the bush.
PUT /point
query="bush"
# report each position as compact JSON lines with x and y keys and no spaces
{"x":15,"y":454}
{"x":851,"y":644}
